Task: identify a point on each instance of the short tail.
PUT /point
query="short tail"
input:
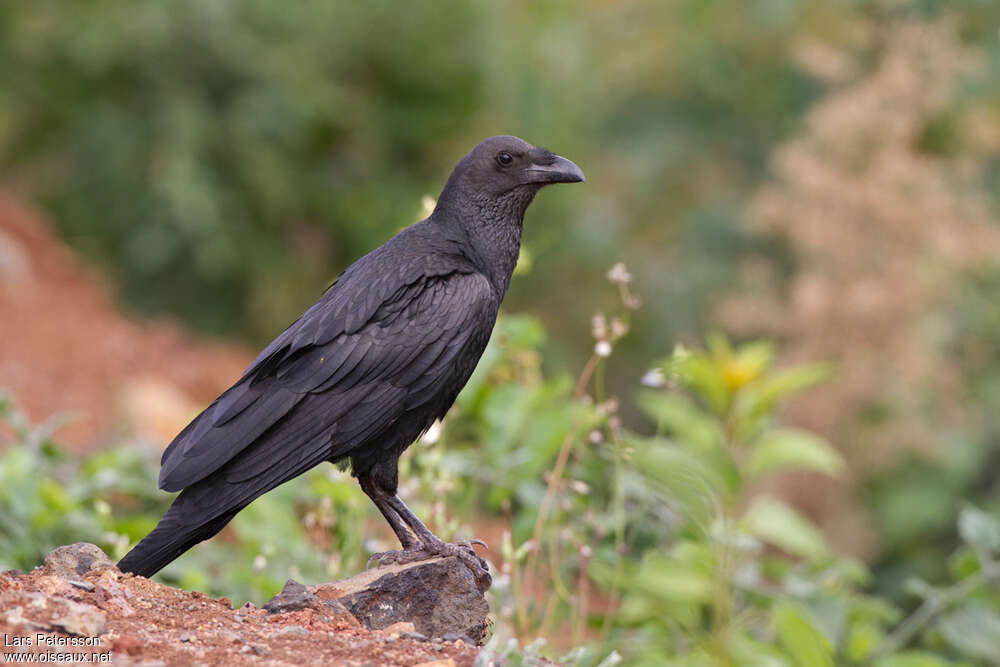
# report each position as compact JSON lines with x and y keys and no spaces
{"x":169,"y":540}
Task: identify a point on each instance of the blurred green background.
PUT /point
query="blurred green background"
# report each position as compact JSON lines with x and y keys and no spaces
{"x":822,"y":174}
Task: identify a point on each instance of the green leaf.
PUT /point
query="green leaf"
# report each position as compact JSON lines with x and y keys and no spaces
{"x":807,"y":646}
{"x":791,"y":380}
{"x":745,"y":650}
{"x":754,"y":358}
{"x":974,"y":630}
{"x":914,"y":659}
{"x":702,"y":375}
{"x":755,"y":402}
{"x":862,"y":640}
{"x":682,"y":419}
{"x":781,"y":526}
{"x":718,"y":345}
{"x":979,"y":529}
{"x":681,"y":475}
{"x":669,"y":579}
{"x":793,"y":449}
{"x":963,"y":562}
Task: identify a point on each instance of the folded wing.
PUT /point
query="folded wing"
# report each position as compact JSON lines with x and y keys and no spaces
{"x":336,"y":380}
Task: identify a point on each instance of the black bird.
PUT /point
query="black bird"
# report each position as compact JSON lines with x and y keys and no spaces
{"x":367,"y":369}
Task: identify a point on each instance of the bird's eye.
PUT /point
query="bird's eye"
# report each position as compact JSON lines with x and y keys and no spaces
{"x":504,"y":158}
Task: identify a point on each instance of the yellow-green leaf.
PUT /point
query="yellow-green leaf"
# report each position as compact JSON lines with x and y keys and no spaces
{"x":680,"y":417}
{"x":791,"y":380}
{"x":779,"y":525}
{"x":669,"y":579}
{"x":806,"y":645}
{"x":793,"y":449}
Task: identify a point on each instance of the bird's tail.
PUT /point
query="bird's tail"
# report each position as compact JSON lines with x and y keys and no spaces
{"x":170,"y":539}
{"x":204,"y":508}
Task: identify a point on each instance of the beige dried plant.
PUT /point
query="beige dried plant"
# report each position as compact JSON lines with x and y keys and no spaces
{"x":881,"y":232}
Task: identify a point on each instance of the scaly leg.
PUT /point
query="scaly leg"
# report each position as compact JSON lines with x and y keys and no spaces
{"x":425,"y":545}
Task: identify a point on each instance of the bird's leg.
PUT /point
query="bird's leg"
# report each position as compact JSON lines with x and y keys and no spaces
{"x":438,"y":547}
{"x":406,"y":538}
{"x":426,"y":545}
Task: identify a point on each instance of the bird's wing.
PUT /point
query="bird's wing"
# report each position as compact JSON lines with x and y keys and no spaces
{"x":334,"y":381}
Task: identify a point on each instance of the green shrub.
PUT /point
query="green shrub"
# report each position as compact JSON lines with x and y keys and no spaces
{"x":644,"y":548}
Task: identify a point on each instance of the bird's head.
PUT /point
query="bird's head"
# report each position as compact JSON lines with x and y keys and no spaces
{"x":504,"y":165}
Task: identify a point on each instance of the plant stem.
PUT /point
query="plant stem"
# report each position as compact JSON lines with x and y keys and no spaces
{"x":556,"y":477}
{"x":926,"y":612}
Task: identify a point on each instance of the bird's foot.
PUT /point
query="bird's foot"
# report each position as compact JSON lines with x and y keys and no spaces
{"x":439,"y":549}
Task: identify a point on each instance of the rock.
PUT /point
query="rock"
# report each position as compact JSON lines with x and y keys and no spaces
{"x":459,"y":637}
{"x":111,"y":596}
{"x":290,"y":630}
{"x":15,"y":617}
{"x":440,"y":597}
{"x":81,"y":619}
{"x":77,"y":559}
{"x":333,"y":611}
{"x":293,"y":597}
{"x":447,"y":662}
{"x":398,"y":628}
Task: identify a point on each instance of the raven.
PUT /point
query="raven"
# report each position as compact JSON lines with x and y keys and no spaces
{"x":367,"y":369}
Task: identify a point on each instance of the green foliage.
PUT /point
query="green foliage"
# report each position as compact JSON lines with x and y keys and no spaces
{"x":49,"y":497}
{"x":644,"y":549}
{"x":740,"y":577}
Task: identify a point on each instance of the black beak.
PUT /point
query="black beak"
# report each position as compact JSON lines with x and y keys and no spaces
{"x":560,"y":170}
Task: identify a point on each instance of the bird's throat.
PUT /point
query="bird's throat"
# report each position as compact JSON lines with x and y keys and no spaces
{"x":495,"y":233}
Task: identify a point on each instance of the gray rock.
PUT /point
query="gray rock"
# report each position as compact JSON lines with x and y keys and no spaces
{"x":293,"y":597}
{"x":440,"y":597}
{"x":290,"y":630}
{"x":77,"y":559}
{"x":83,"y":620}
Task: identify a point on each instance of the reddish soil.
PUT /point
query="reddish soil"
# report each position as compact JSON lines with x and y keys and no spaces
{"x":147,"y":623}
{"x":65,"y":348}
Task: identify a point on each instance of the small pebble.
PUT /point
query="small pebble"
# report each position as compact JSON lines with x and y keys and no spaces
{"x":290,"y":630}
{"x":417,"y":636}
{"x":185,"y":637}
{"x":82,"y":585}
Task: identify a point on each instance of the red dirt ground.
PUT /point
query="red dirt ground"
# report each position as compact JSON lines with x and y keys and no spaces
{"x":65,"y":348}
{"x":149,"y":623}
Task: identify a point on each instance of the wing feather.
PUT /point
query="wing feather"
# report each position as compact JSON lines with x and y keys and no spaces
{"x":334,"y":373}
